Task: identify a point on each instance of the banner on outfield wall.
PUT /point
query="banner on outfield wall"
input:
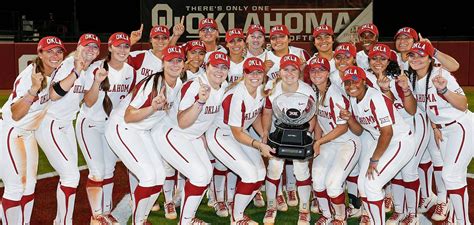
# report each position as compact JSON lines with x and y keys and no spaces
{"x":300,"y":16}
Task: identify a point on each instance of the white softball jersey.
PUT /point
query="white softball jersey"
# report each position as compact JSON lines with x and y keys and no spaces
{"x":261,"y":56}
{"x":275,"y":70}
{"x":38,"y":108}
{"x":145,"y":63}
{"x":236,"y":71}
{"x":191,"y":75}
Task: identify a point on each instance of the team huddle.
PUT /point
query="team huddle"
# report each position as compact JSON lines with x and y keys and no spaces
{"x":195,"y":118}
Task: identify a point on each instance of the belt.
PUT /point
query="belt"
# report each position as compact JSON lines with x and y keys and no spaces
{"x":439,"y":126}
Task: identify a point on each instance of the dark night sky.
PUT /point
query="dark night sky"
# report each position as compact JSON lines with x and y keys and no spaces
{"x":432,"y":18}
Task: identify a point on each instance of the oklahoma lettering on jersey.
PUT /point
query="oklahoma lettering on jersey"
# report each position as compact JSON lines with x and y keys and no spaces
{"x":239,"y":108}
{"x":145,"y":63}
{"x":438,"y":109}
{"x":67,"y":107}
{"x":328,"y":113}
{"x":275,"y":70}
{"x":376,"y":110}
{"x":38,"y":108}
{"x":121,"y":82}
{"x":399,"y":96}
{"x":236,"y":71}
{"x":188,"y":96}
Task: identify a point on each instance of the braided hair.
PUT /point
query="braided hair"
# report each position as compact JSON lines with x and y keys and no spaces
{"x":105,"y":86}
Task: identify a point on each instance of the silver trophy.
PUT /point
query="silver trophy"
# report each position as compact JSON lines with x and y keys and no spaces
{"x":291,"y":138}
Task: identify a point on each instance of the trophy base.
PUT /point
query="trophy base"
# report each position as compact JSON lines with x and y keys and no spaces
{"x":291,"y":143}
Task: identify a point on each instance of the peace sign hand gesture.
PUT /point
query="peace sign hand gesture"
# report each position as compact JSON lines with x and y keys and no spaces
{"x":344,"y":113}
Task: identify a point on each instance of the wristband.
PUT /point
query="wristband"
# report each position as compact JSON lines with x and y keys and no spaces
{"x":30,"y":102}
{"x":443,"y":91}
{"x":373,"y":160}
{"x":253,"y":140}
{"x":76,"y":73}
{"x":201,"y":103}
{"x":408,"y":95}
{"x":59,"y":90}
{"x":406,"y":90}
{"x":32,"y":93}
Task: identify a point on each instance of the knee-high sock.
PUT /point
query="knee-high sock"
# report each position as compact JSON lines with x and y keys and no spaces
{"x":377,"y":211}
{"x":153,"y":197}
{"x":304,"y":192}
{"x":168,"y":187}
{"x":324,"y":203}
{"x":425,"y":172}
{"x":27,"y":202}
{"x":398,"y":194}
{"x":66,"y":197}
{"x":440,"y":187}
{"x":460,"y":201}
{"x":12,"y":214}
{"x":339,"y":205}
{"x":352,"y":191}
{"x":94,"y":194}
{"x":191,"y":199}
{"x":107,"y":189}
{"x":243,"y":196}
{"x":412,"y":194}
{"x":219,"y":184}
{"x":271,"y":187}
{"x":290,"y":177}
{"x":140,"y":204}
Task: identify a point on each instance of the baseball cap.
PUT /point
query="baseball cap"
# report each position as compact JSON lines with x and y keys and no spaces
{"x":346,"y":48}
{"x":88,"y":38}
{"x":407,"y":31}
{"x":234,"y":33}
{"x":217,"y":58}
{"x":354,"y":73}
{"x":171,"y":52}
{"x":368,"y":27}
{"x":119,"y":38}
{"x":422,"y":48}
{"x":194,"y":44}
{"x":159,"y":30}
{"x":279,"y":29}
{"x":207,"y":22}
{"x":290,"y":59}
{"x":322,"y":29}
{"x":50,"y":42}
{"x":319,"y":62}
{"x":380,"y":49}
{"x":255,"y":27}
{"x":253,"y":63}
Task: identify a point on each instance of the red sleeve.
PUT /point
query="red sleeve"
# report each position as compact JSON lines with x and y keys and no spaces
{"x":136,"y":61}
{"x":226,"y":107}
{"x":268,"y":103}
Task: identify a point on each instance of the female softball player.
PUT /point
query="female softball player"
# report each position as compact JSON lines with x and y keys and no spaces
{"x":230,"y":142}
{"x":441,"y":97}
{"x":22,"y":113}
{"x":195,"y":52}
{"x":337,"y":149}
{"x":234,"y":39}
{"x":405,"y":186}
{"x":287,"y":83}
{"x":179,"y":140}
{"x":323,"y":41}
{"x":393,"y":146}
{"x":56,"y":134}
{"x":255,"y":41}
{"x":368,"y":35}
{"x":129,"y":133}
{"x":107,"y":82}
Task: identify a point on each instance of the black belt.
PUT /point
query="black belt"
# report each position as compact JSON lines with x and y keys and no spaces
{"x":439,"y":126}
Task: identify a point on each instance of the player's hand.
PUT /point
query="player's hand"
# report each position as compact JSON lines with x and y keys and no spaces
{"x":204,"y":91}
{"x":439,"y":81}
{"x":136,"y":35}
{"x":264,"y":138}
{"x":371,"y":170}
{"x":159,"y":102}
{"x":344,"y":113}
{"x":267,"y":63}
{"x":179,"y":29}
{"x":423,"y":39}
{"x":101,"y":74}
{"x":383,"y":82}
{"x":36,"y":79}
{"x":316,"y":149}
{"x":79,"y":62}
{"x":266,"y":150}
{"x":438,"y":135}
{"x":402,"y":81}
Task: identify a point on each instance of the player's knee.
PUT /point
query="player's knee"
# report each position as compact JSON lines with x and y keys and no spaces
{"x":200,"y":177}
{"x":373,"y":190}
{"x":302,"y":174}
{"x":13,"y":192}
{"x":334,"y":187}
{"x":70,"y":178}
{"x":453,"y":179}
{"x":274,"y":172}
{"x":261,"y":173}
{"x":219,"y":166}
{"x":247,"y":174}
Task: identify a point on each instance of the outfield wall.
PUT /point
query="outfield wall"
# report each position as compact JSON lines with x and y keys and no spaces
{"x":15,"y":56}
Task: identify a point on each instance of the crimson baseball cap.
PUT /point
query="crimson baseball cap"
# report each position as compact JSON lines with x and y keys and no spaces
{"x":368,"y":27}
{"x":346,"y":48}
{"x":319,"y":62}
{"x":279,"y":29}
{"x":407,"y":31}
{"x":252,"y":64}
{"x":159,"y":30}
{"x":380,"y":49}
{"x":88,"y":38}
{"x":322,"y":29}
{"x":50,"y":42}
{"x":422,"y":48}
{"x":290,"y":59}
{"x":119,"y":38}
{"x":217,"y":58}
{"x":195,"y":44}
{"x":234,"y":33}
{"x":255,"y":27}
{"x":172,"y":52}
{"x":207,"y":22}
{"x":354,"y":73}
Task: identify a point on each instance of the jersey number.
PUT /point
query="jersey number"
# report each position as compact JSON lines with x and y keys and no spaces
{"x":435,"y":109}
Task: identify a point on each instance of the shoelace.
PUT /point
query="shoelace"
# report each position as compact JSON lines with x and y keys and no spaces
{"x":243,"y":221}
{"x":258,"y":196}
{"x":111,"y":218}
{"x":170,"y":207}
{"x":408,"y":219}
{"x":280,"y":200}
{"x":394,"y":216}
{"x":321,"y":220}
{"x":221,"y":206}
{"x":336,"y":222}
{"x":304,"y":217}
{"x":292,"y":195}
{"x":269,"y":213}
{"x":198,"y":221}
{"x":440,"y":208}
{"x":364,"y":219}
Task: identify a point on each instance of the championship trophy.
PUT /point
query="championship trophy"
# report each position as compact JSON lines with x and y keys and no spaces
{"x":291,"y":138}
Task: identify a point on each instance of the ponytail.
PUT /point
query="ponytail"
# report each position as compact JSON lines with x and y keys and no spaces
{"x":105,"y":86}
{"x":40,"y":69}
{"x":274,"y":83}
{"x":233,"y":84}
